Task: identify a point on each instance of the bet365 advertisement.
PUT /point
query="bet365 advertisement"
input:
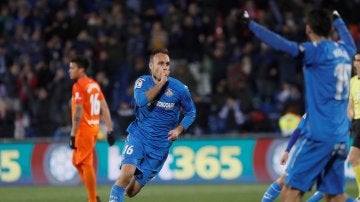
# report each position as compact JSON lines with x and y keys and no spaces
{"x":189,"y":161}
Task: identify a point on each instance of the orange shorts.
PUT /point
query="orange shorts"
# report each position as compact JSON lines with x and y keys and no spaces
{"x":84,"y":142}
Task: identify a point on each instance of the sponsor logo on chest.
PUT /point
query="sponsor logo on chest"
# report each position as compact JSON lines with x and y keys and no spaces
{"x":165,"y":105}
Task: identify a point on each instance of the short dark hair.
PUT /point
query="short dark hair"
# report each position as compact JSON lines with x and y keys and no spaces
{"x":357,"y":53}
{"x":156,"y":51}
{"x":81,"y":61}
{"x":320,"y":21}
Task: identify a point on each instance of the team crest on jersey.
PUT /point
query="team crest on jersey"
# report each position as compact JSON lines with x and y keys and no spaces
{"x":139,"y":83}
{"x":169,"y":92}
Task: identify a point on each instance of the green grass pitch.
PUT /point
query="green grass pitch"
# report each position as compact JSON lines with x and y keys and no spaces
{"x":151,"y":193}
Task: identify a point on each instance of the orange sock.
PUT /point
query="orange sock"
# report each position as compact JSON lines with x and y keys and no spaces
{"x":90,"y":181}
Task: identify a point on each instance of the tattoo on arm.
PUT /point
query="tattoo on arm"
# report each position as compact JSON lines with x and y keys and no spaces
{"x":77,"y":118}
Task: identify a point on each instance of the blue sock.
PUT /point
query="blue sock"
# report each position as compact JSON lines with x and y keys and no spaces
{"x":272,"y":192}
{"x":349,"y":199}
{"x":316,"y":197}
{"x":117,"y":194}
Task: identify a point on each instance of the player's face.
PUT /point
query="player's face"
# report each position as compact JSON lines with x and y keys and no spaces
{"x":73,"y":70}
{"x":160,"y":65}
{"x":357,"y":63}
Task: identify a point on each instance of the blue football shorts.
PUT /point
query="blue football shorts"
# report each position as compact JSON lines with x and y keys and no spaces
{"x":318,"y":162}
{"x":147,"y":160}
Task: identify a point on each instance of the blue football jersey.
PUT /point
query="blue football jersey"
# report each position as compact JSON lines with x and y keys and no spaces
{"x":155,"y":119}
{"x":327,"y":71}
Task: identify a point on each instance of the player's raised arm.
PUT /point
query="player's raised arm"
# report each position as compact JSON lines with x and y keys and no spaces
{"x":142,"y":95}
{"x":270,"y":38}
{"x":343,"y":31}
{"x":153,"y":92}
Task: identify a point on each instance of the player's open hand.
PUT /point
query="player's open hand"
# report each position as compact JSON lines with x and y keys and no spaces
{"x":72,"y":142}
{"x":110,"y":138}
{"x":284,"y":158}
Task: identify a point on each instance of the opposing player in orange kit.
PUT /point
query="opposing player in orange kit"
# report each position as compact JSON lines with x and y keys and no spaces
{"x":87,"y":102}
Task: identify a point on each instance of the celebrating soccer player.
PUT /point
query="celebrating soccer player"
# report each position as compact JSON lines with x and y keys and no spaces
{"x":327,"y":70}
{"x":87,"y":102}
{"x":159,"y":100}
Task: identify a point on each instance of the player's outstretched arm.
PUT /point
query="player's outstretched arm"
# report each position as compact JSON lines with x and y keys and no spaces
{"x":105,"y":112}
{"x":270,"y":38}
{"x":343,"y":31}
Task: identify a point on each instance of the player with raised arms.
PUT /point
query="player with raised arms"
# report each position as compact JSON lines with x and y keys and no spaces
{"x":327,"y":69}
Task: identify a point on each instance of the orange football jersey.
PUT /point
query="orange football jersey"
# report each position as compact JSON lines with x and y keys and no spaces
{"x":88,"y":93}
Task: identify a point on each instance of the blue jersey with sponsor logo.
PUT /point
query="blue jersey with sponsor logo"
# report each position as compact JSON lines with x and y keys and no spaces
{"x":155,"y":119}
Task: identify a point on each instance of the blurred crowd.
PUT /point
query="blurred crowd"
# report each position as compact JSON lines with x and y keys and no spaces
{"x":239,"y":85}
